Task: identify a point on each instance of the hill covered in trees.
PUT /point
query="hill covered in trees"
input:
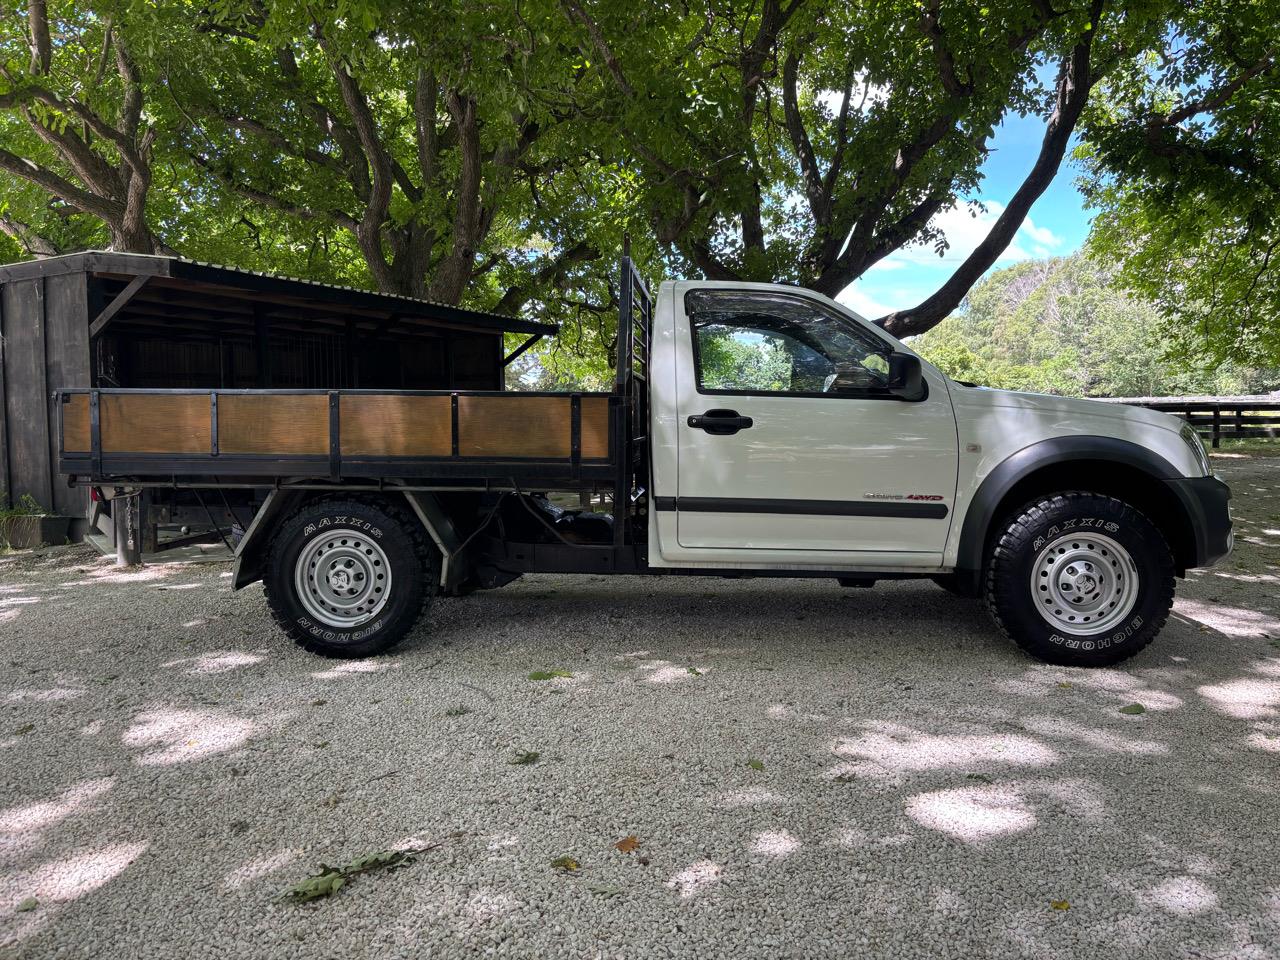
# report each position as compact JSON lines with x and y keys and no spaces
{"x":1063,"y":326}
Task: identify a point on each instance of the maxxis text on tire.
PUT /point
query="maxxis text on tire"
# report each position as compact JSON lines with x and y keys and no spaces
{"x":349,"y":577}
{"x":1080,"y":579}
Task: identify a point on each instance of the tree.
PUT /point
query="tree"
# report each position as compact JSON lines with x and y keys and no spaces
{"x":1065,"y":326}
{"x":1182,"y":156}
{"x":73,"y":125}
{"x":800,"y":141}
{"x":428,"y":134}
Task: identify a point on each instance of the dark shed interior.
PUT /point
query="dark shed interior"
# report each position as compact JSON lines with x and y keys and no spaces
{"x":101,"y":319}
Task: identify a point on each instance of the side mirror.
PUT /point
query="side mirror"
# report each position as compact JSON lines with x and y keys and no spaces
{"x":906,"y":377}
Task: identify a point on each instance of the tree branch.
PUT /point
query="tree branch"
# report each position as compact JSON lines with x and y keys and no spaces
{"x":31,"y":240}
{"x":551,"y":274}
{"x":50,"y":182}
{"x":1075,"y":79}
{"x":575,"y":12}
{"x":41,"y":47}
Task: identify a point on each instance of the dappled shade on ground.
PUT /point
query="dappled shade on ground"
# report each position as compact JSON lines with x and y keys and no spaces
{"x":806,"y":769}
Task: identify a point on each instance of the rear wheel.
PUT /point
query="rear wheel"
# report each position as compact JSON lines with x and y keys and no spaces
{"x":349,"y":578}
{"x":1080,"y":579}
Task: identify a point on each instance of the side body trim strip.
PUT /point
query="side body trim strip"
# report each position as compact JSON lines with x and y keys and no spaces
{"x":825,"y":508}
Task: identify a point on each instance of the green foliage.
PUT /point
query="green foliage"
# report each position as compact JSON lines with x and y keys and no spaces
{"x":329,"y":880}
{"x":731,"y":361}
{"x":550,"y":675}
{"x":1063,"y":326}
{"x":1181,"y":155}
{"x":25,"y":506}
{"x":494,"y":154}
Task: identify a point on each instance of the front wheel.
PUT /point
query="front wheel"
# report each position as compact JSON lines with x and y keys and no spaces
{"x":349,"y":578}
{"x":1080,"y":579}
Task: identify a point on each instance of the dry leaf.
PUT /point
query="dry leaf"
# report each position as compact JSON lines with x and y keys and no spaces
{"x":1133,"y":709}
{"x":1060,"y":905}
{"x":627,"y":843}
{"x":565,"y":863}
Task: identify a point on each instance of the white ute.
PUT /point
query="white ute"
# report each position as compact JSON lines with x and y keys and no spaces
{"x":754,"y":430}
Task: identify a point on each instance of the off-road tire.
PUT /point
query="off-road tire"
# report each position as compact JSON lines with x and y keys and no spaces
{"x":411,"y":560}
{"x":1023,"y":550}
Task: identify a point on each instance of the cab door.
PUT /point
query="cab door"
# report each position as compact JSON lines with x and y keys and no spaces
{"x":790,"y":445}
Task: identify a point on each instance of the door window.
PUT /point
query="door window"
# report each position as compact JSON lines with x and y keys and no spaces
{"x":758,"y":342}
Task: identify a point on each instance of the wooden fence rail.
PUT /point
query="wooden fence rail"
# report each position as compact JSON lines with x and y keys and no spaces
{"x":1215,"y":419}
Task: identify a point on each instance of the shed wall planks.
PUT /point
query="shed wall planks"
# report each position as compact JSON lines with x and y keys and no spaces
{"x":4,"y":414}
{"x":66,"y":365}
{"x":26,"y":389}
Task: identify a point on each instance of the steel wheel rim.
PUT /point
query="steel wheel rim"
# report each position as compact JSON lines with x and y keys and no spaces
{"x":343,"y":579}
{"x":1084,"y":583}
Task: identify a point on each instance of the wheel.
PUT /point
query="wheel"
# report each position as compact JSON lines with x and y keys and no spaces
{"x":349,"y":578}
{"x":1080,"y":579}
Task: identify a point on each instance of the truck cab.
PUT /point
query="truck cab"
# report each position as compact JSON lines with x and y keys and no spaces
{"x":753,"y":430}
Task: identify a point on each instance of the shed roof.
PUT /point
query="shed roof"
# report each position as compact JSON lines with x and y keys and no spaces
{"x":179,"y":272}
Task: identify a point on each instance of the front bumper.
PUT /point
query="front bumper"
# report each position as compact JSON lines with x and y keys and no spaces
{"x":1207,"y":503}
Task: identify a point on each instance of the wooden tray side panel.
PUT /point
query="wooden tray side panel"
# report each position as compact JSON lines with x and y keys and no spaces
{"x":286,"y":425}
{"x":595,"y":428}
{"x":391,"y":426}
{"x":514,"y":427}
{"x":156,"y":423}
{"x":75,"y":423}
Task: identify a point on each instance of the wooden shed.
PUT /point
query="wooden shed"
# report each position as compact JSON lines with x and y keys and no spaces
{"x":101,"y":319}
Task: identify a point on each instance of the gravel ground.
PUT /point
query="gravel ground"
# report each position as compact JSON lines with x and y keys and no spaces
{"x":809,"y":772}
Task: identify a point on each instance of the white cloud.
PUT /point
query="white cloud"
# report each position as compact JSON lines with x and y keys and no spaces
{"x":965,"y":227}
{"x":918,"y":271}
{"x":858,"y":301}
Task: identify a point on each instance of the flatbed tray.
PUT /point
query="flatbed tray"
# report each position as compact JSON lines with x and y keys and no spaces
{"x":119,"y":434}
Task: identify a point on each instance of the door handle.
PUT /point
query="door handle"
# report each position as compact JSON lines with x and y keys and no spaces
{"x":721,"y":423}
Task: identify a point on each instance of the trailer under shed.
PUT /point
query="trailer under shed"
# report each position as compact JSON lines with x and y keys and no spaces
{"x":109,"y":320}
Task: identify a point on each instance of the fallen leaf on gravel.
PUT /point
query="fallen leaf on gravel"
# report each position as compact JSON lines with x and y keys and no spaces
{"x":320,"y":744}
{"x":526,"y":758}
{"x":755,"y":764}
{"x":324,"y":884}
{"x":319,"y":702}
{"x":604,"y":890}
{"x":1060,"y":905}
{"x":550,"y":675}
{"x":695,"y":671}
{"x":627,"y":843}
{"x":565,"y":863}
{"x":25,"y":728}
{"x":458,"y":711}
{"x":1065,"y":686}
{"x":1133,"y":709}
{"x":329,"y":880}
{"x":980,"y":777}
{"x":28,"y":904}
{"x":845,"y":778}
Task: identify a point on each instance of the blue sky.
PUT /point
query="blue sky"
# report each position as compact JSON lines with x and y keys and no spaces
{"x":1057,"y":225}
